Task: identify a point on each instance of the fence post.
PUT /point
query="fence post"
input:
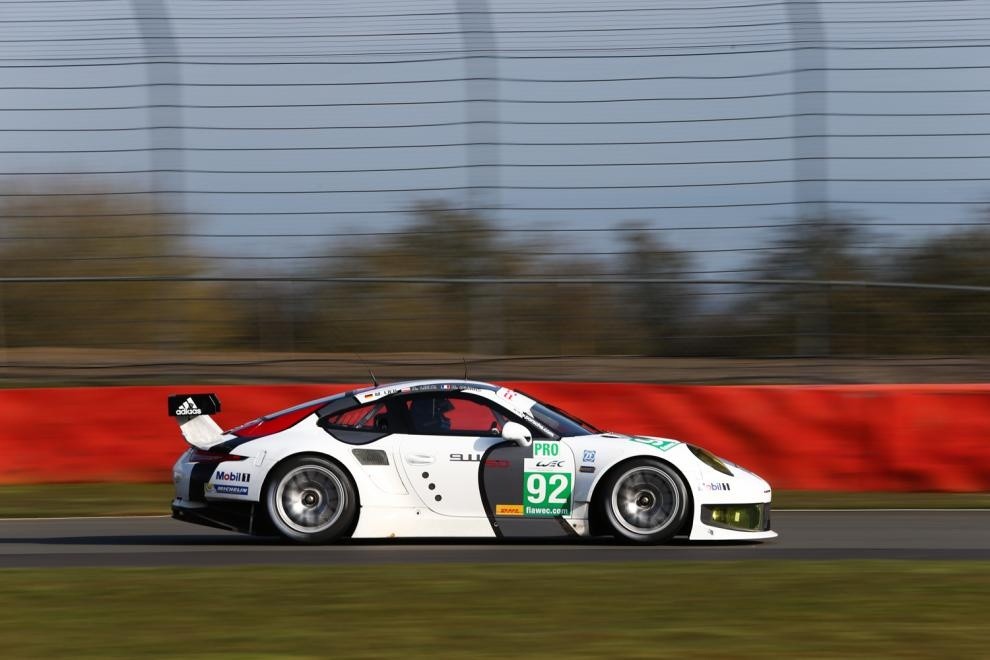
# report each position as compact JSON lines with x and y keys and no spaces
{"x":810,"y":104}
{"x":481,"y":113}
{"x":3,"y":330}
{"x":164,"y":93}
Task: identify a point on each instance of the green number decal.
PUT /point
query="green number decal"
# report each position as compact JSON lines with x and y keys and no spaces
{"x":547,"y":493}
{"x":662,"y":445}
{"x":548,"y":479}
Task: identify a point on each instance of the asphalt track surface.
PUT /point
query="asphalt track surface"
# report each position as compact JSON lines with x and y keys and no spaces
{"x":161,"y":541}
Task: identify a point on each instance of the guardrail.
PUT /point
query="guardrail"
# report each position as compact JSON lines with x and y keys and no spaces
{"x":839,"y":438}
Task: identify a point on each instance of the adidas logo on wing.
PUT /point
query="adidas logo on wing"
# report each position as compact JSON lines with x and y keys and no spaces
{"x":188,"y":408}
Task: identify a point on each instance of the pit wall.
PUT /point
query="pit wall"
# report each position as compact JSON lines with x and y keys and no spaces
{"x":838,"y":438}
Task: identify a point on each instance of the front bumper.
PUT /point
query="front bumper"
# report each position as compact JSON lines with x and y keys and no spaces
{"x":732,"y":508}
{"x":707,"y":528}
{"x":738,"y":517}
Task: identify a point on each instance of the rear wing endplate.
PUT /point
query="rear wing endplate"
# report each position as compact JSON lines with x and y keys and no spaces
{"x":192,"y":412}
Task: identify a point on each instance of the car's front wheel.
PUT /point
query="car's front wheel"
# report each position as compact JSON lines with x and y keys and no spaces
{"x":311,"y":500}
{"x":644,"y":501}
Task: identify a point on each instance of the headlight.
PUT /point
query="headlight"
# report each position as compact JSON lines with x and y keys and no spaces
{"x":710,"y":459}
{"x":746,"y":517}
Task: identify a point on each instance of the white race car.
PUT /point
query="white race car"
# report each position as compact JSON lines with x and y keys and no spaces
{"x":452,"y":458}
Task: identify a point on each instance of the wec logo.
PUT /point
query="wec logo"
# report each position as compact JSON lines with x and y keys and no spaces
{"x":550,"y":464}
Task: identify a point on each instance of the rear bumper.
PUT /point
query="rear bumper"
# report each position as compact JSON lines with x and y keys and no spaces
{"x":231,"y":516}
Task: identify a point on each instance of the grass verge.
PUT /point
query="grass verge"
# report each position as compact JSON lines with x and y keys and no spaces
{"x":849,"y":609}
{"x":56,"y":500}
{"x":102,"y":499}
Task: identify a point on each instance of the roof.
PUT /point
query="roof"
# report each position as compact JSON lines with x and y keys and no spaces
{"x":377,"y":392}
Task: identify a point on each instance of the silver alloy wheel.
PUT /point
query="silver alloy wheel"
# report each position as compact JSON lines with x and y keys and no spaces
{"x":310,"y":498}
{"x":645,"y":500}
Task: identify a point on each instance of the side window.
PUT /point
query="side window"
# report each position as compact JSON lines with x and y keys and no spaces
{"x":370,"y":417}
{"x":440,"y":414}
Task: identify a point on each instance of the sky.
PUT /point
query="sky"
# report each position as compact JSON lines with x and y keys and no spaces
{"x":303,"y":117}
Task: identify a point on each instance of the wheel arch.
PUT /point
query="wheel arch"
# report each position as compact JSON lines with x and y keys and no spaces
{"x":273,"y":469}
{"x":599,"y":526}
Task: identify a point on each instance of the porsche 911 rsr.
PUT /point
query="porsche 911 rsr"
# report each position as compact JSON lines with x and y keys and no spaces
{"x":446,"y":458}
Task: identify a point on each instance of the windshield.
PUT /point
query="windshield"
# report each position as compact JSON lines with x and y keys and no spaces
{"x":560,"y":422}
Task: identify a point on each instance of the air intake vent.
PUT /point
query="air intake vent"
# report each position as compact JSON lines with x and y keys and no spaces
{"x":371,"y":456}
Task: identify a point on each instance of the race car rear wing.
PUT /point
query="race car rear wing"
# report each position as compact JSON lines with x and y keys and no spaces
{"x":192,"y":412}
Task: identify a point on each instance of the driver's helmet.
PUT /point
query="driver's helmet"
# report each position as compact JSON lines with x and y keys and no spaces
{"x":428,"y":413}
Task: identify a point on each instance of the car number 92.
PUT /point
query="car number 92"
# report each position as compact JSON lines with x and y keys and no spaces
{"x":547,"y":482}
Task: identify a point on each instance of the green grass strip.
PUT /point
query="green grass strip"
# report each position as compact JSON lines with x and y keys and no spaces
{"x":60,"y":500}
{"x":850,"y":609}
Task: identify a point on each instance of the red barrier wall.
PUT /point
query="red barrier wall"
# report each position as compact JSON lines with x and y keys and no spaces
{"x":896,"y":438}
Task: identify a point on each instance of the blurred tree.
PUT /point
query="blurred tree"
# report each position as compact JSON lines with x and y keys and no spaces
{"x":558,"y":319}
{"x":813,"y":319}
{"x":457,"y":317}
{"x":260,"y":315}
{"x":657,"y":316}
{"x":452,"y":317}
{"x":657,"y":319}
{"x":88,"y":235}
{"x":944,"y":322}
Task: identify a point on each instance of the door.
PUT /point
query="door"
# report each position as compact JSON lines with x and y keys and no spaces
{"x":528,"y":490}
{"x":447,"y":435}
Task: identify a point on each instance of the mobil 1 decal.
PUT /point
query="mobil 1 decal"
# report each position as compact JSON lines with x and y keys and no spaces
{"x":548,"y":480}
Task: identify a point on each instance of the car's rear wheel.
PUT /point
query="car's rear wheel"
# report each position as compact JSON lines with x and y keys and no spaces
{"x":311,"y":500}
{"x":644,"y":501}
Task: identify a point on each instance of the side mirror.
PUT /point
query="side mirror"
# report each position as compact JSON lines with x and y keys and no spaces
{"x":517,"y":433}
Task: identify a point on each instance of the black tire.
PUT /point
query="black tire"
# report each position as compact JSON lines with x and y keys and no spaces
{"x":311,"y":500}
{"x":643,"y":501}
